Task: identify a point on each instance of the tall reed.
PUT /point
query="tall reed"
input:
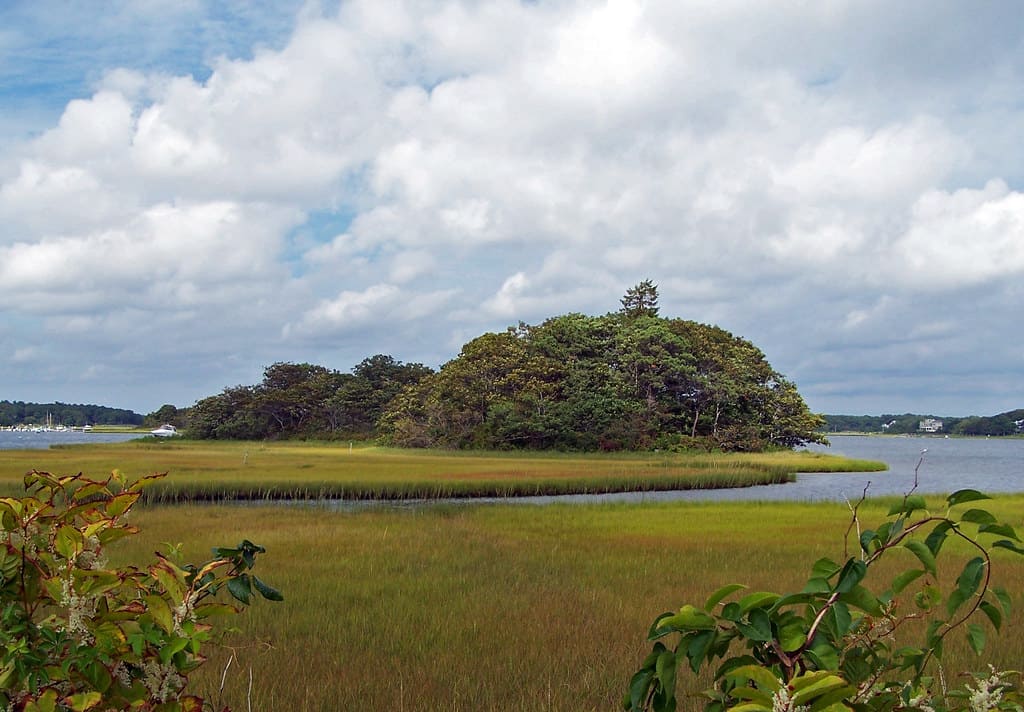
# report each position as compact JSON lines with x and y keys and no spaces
{"x":497,"y":607}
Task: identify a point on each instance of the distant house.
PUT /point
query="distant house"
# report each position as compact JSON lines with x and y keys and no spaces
{"x":1019,"y":425}
{"x":930,"y":425}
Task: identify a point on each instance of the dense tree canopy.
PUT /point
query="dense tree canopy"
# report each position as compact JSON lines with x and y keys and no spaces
{"x":304,"y":400}
{"x":626,"y":380}
{"x":621,"y":381}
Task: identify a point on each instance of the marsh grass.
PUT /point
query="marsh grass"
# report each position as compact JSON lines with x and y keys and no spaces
{"x":219,"y":471}
{"x":498,"y":607}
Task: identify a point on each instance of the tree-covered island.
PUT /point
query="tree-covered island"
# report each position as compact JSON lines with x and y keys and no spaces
{"x":628,"y":380}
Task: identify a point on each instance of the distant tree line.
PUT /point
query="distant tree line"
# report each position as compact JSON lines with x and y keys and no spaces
{"x":1008,"y":423}
{"x":71,"y":415}
{"x":626,"y":380}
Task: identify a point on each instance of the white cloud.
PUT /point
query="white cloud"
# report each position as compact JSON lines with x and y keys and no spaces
{"x":965,"y":237}
{"x":408,"y":174}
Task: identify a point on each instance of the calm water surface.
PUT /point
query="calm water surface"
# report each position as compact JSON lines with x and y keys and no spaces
{"x":10,"y":440}
{"x":988,"y":464}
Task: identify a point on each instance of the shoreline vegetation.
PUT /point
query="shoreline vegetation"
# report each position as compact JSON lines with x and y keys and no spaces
{"x":220,"y":471}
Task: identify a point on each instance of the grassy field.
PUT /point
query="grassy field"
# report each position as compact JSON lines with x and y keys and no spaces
{"x":496,"y":607}
{"x":469,"y":606}
{"x":215,"y":471}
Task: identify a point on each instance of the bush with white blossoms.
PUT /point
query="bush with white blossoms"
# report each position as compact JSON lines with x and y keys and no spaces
{"x":77,"y":635}
{"x":839,"y":643}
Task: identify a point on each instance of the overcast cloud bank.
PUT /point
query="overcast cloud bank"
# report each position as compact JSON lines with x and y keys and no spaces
{"x":838,"y":182}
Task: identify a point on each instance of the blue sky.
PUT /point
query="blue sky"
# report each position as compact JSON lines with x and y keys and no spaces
{"x":191,"y":190}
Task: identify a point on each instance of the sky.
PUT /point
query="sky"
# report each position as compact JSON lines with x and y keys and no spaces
{"x":193,"y":190}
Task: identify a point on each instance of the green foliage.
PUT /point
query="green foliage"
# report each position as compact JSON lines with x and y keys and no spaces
{"x":624,"y":381}
{"x":842,"y":642}
{"x":78,"y":635}
{"x":641,"y":300}
{"x":304,"y":400}
{"x":21,"y":413}
{"x":166,"y":413}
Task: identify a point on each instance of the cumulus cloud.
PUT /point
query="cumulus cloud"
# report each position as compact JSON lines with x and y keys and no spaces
{"x":353,"y":177}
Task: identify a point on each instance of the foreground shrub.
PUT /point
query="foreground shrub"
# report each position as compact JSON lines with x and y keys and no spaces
{"x":78,"y":635}
{"x":839,"y":644}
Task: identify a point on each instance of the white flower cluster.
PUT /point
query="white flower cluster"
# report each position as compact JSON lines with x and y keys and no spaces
{"x":26,"y":539}
{"x":185,"y":612}
{"x":92,"y":555}
{"x":782,"y":702}
{"x":122,"y":674}
{"x":162,"y":681}
{"x":921,"y":703}
{"x":80,"y":609}
{"x":989,"y":692}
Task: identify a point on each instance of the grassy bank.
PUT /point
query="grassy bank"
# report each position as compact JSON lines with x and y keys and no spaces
{"x":497,"y":607}
{"x":217,"y":471}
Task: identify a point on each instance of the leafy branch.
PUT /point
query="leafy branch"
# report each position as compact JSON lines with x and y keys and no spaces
{"x":832,"y":645}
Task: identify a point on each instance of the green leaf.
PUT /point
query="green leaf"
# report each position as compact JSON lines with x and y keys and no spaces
{"x":817,"y":584}
{"x":759,"y":628}
{"x":923,"y":553}
{"x":993,"y":613}
{"x":97,"y":675}
{"x":761,"y":599}
{"x":866,"y":538}
{"x":795,"y":598}
{"x":665,"y":669}
{"x":68,"y":542}
{"x":851,"y":575}
{"x":999,"y":530}
{"x":161,"y":612}
{"x":976,"y":637}
{"x":751,"y":694}
{"x":927,"y":598}
{"x":698,"y":648}
{"x":240,"y":588}
{"x":825,"y":568}
{"x":731,"y":611}
{"x":978,"y":516}
{"x":762,"y":677}
{"x":169,"y":650}
{"x":807,"y":694}
{"x":656,"y":630}
{"x":970,"y":578}
{"x":638,"y":687}
{"x":905,"y":579}
{"x":269,"y":593}
{"x":715,"y":598}
{"x":142,"y":482}
{"x":792,"y":636}
{"x":965,"y":495}
{"x":82,"y":701}
{"x":1004,"y":599}
{"x":955,"y":600}
{"x":121,"y":503}
{"x":937,"y":537}
{"x":862,"y":598}
{"x":824,"y":656}
{"x":1007,"y":544}
{"x":908,"y":505}
{"x":47,"y":702}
